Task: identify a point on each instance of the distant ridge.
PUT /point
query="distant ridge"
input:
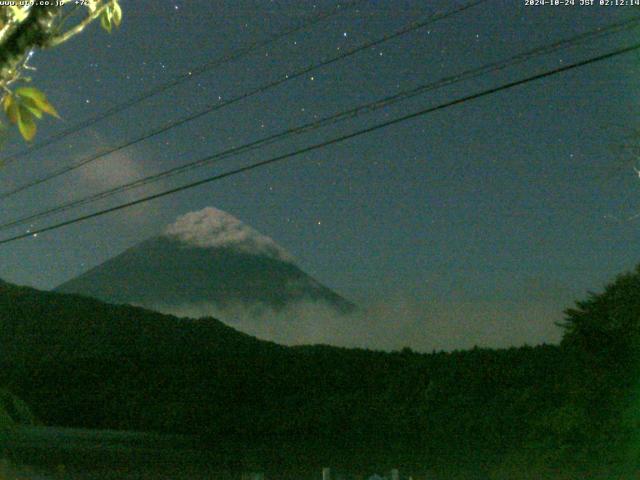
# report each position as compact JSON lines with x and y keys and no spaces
{"x":39,"y":326}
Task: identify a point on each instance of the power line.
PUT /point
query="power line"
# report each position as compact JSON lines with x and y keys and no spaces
{"x":184,"y":77}
{"x":261,"y":89}
{"x":326,"y":143}
{"x":331,"y":119}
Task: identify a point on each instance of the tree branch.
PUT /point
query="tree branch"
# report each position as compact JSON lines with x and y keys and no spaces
{"x":58,"y":39}
{"x":34,"y":32}
{"x":10,"y":23}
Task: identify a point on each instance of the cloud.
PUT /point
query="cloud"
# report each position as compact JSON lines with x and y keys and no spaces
{"x":394,"y":323}
{"x":114,"y":170}
{"x":210,"y":228}
{"x":111,"y":171}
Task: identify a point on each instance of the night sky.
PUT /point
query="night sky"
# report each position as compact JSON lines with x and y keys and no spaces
{"x":495,"y":214}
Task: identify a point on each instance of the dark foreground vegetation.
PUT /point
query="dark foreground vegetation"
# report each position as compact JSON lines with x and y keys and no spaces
{"x":567,"y":411}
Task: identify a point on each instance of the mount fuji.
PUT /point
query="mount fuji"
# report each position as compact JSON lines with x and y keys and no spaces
{"x":207,"y":262}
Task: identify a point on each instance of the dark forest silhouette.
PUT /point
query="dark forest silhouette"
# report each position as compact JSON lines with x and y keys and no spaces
{"x":570,"y":407}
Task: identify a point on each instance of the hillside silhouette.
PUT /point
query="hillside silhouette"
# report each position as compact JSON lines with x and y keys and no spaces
{"x":80,"y":362}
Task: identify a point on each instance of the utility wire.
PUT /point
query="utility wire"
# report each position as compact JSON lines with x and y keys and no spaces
{"x":332,"y":141}
{"x":261,"y":89}
{"x":184,"y":77}
{"x":330,"y":120}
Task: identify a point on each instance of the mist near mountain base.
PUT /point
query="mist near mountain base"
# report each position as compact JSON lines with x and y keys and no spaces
{"x":209,"y":263}
{"x":392,"y":323}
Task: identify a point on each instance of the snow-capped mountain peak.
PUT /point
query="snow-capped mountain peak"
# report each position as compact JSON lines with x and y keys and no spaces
{"x":213,"y":228}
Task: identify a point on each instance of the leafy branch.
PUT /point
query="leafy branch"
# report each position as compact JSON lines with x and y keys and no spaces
{"x":110,"y":15}
{"x":25,"y":106}
{"x":23,"y":29}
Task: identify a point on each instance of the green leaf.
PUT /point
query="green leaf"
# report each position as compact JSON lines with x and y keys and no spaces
{"x":10,"y":106}
{"x":6,"y":102}
{"x":91,"y":5}
{"x":46,"y":107}
{"x":24,"y":106}
{"x":105,"y":20}
{"x":36,"y":98}
{"x":31,"y":92}
{"x":27,"y":124}
{"x":116,"y":14}
{"x":32,"y":107}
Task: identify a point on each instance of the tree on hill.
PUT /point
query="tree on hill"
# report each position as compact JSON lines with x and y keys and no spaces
{"x":602,"y":334}
{"x":605,"y":328}
{"x":32,"y":26}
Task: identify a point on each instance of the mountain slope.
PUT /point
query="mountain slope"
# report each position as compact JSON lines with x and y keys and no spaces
{"x":81,"y":362}
{"x":206,"y":257}
{"x":38,"y":325}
